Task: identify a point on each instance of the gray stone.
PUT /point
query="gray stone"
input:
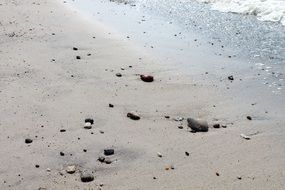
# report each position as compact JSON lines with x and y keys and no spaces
{"x":70,"y":169}
{"x":133,"y":116}
{"x":86,"y":177}
{"x":198,"y":125}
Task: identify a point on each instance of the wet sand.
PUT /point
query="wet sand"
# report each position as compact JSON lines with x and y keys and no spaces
{"x":46,"y":87}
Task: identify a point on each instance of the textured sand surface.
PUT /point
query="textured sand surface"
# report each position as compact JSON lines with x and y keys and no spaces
{"x":44,"y":88}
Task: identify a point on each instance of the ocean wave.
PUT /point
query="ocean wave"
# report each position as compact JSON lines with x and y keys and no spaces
{"x":265,"y":10}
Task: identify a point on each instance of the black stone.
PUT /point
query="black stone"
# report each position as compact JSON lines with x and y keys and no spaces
{"x":28,"y":141}
{"x":109,"y":152}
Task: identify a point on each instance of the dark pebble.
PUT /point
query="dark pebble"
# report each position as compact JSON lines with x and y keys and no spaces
{"x":28,"y":141}
{"x":101,"y":159}
{"x":62,"y":130}
{"x":109,"y":152}
{"x":61,"y":154}
{"x":133,"y":116}
{"x":146,"y":78}
{"x":111,"y":105}
{"x":216,"y":125}
{"x":75,"y":48}
{"x":248,"y":117}
{"x":37,"y":166}
{"x":78,"y":57}
{"x":231,"y":77}
{"x":187,"y":153}
{"x":118,"y":74}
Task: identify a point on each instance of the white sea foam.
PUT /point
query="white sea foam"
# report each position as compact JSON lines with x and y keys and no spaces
{"x":265,"y":10}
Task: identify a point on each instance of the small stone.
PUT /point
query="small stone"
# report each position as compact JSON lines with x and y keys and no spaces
{"x":62,"y":130}
{"x":108,"y":161}
{"x":187,"y":153}
{"x":216,"y":125}
{"x":101,"y":159}
{"x":75,"y":48}
{"x":61,"y":153}
{"x":89,"y":120}
{"x":133,"y":116}
{"x":180,"y":127}
{"x":111,"y":105}
{"x":86,"y":177}
{"x":217,"y":174}
{"x":28,"y":141}
{"x":198,"y":125}
{"x":245,"y":136}
{"x":248,"y":117}
{"x":167,"y":116}
{"x":118,"y":74}
{"x":37,"y":166}
{"x":70,"y":169}
{"x":159,"y":154}
{"x":146,"y":78}
{"x":224,"y":126}
{"x":87,"y":125}
{"x":178,"y":119}
{"x":239,"y":177}
{"x":109,"y":152}
{"x":231,"y":77}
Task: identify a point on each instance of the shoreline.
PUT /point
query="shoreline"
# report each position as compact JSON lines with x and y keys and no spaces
{"x":45,"y":88}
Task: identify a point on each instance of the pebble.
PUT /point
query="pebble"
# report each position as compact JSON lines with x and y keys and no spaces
{"x":198,"y":125}
{"x":70,"y":169}
{"x":245,"y":136}
{"x":231,"y":77}
{"x":89,"y":120}
{"x":86,"y":177}
{"x":248,"y":117}
{"x":216,"y":125}
{"x":28,"y":141}
{"x":180,"y":127}
{"x":108,"y":161}
{"x":61,"y":154}
{"x":87,"y":125}
{"x":75,"y":48}
{"x":101,"y":159}
{"x":133,"y":116}
{"x":187,"y":153}
{"x":146,"y":78}
{"x":159,"y":154}
{"x":78,"y":57}
{"x":62,"y":130}
{"x":178,"y":119}
{"x":111,"y":105}
{"x":118,"y":74}
{"x":109,"y":152}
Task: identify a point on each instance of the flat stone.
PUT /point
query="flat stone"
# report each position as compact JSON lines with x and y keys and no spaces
{"x":70,"y":169}
{"x":133,"y":116}
{"x":109,"y":152}
{"x":198,"y":125}
{"x":86,"y":177}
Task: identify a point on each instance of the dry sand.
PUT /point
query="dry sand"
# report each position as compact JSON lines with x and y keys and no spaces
{"x":44,"y":88}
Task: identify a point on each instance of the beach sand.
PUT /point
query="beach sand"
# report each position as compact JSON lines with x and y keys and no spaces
{"x":44,"y":88}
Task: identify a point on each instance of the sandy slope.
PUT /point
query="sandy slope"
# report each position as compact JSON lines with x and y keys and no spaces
{"x":44,"y":88}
